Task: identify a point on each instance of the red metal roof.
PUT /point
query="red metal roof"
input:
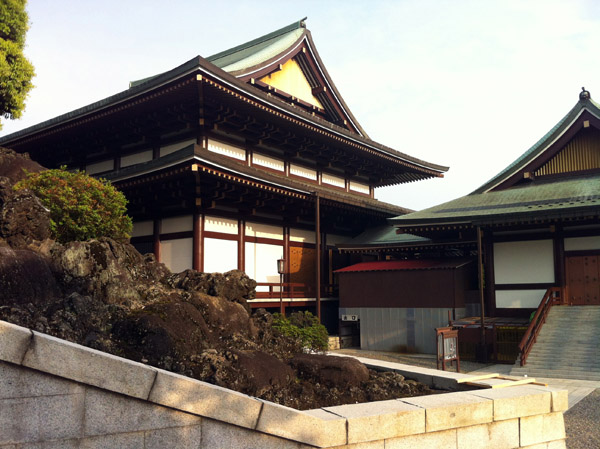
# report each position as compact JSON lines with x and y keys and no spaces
{"x":401,"y":265}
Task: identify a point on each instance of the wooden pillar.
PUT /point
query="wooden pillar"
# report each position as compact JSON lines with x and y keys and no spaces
{"x":197,"y":241}
{"x":157,"y":239}
{"x":559,"y":257}
{"x":318,"y":253}
{"x":483,"y":354}
{"x":241,"y":244}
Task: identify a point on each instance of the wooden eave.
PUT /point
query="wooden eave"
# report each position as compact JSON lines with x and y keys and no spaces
{"x":190,"y":84}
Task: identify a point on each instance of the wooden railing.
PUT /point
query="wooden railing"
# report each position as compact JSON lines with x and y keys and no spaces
{"x":292,"y":290}
{"x":552,"y":297}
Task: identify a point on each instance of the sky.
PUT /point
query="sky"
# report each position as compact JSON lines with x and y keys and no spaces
{"x":465,"y":84}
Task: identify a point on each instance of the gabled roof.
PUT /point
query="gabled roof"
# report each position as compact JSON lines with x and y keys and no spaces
{"x":548,"y":145}
{"x":515,"y":195}
{"x":254,"y":59}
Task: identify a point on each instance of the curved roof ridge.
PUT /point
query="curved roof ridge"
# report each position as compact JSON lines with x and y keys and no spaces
{"x":539,"y":146}
{"x":254,"y":42}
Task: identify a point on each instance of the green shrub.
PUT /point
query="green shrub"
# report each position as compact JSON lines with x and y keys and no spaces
{"x":81,"y":207}
{"x":303,"y":327}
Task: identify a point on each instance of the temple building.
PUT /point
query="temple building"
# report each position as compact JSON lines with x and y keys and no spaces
{"x":533,"y":228}
{"x":236,"y":161}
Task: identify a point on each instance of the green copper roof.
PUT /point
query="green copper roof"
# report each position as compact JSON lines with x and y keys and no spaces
{"x":584,"y":103}
{"x":382,"y":236}
{"x":258,"y":50}
{"x":253,"y":52}
{"x":557,"y":198}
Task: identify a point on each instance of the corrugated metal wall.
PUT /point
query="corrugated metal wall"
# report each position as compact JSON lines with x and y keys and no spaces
{"x":400,"y":329}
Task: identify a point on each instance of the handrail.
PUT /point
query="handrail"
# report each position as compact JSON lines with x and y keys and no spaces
{"x":552,"y":296}
{"x":291,"y":290}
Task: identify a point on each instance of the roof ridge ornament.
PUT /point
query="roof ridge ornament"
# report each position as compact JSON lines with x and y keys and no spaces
{"x":584,"y":94}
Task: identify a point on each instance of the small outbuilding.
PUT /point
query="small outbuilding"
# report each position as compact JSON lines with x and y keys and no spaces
{"x":398,"y":303}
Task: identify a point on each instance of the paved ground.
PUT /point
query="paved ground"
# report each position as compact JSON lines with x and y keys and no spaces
{"x":582,"y":420}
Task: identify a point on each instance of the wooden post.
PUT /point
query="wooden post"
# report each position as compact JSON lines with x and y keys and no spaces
{"x":318,"y":253}
{"x":157,"y":239}
{"x":197,"y":243}
{"x":481,"y":286}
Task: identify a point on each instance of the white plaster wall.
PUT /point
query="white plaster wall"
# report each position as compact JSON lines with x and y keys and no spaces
{"x":177,"y":254}
{"x":226,"y":149}
{"x":360,"y":188}
{"x":519,"y":299}
{"x":333,"y":180}
{"x":526,"y":262}
{"x":302,"y":236}
{"x":264,"y":231}
{"x":168,"y":149}
{"x":99,"y":167}
{"x":220,"y":256}
{"x":223,"y":225}
{"x":142,"y":228}
{"x":261,"y":262}
{"x":269,"y":162}
{"x":136,"y":158}
{"x":182,"y":223}
{"x":582,"y":243}
{"x":303,"y":172}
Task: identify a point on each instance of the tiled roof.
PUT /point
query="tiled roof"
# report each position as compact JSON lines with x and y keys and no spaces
{"x":404,"y":265}
{"x":258,"y":50}
{"x":554,"y":198}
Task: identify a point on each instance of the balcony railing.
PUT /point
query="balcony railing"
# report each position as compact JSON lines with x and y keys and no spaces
{"x":270,"y":290}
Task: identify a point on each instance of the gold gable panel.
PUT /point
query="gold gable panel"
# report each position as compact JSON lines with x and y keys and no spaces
{"x":580,"y":154}
{"x":291,"y":80}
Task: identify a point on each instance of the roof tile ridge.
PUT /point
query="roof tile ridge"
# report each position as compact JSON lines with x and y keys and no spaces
{"x":258,"y":40}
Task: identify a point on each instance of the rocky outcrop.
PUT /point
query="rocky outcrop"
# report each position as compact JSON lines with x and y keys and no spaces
{"x":104,"y":294}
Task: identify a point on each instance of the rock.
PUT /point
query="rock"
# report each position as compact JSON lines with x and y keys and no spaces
{"x":339,"y":372}
{"x":25,"y":277}
{"x":23,"y":219}
{"x":91,"y":268}
{"x":15,"y":166}
{"x":235,"y":285}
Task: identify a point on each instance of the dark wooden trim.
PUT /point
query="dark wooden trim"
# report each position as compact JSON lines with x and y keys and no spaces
{"x":301,"y":244}
{"x":197,"y":244}
{"x":559,"y":259}
{"x":220,"y":235}
{"x":581,"y":253}
{"x":286,"y":253}
{"x":546,"y":235}
{"x":241,"y":244}
{"x":531,"y":286}
{"x":177,"y":235}
{"x":489,"y":275}
{"x":263,"y":240}
{"x":202,"y":252}
{"x":581,"y":233}
{"x":141,"y":239}
{"x":156,"y":238}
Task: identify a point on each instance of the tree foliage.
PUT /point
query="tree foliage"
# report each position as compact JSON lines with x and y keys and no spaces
{"x":303,"y":327}
{"x":81,"y":207}
{"x":15,"y":70}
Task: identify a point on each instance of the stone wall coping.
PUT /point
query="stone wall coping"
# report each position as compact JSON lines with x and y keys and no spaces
{"x":326,"y":427}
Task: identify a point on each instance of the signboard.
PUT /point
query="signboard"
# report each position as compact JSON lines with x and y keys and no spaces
{"x":349,"y":317}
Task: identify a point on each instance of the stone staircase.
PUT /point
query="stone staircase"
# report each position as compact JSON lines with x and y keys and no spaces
{"x":568,"y":346}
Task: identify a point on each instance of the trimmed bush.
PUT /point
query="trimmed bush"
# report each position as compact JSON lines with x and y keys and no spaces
{"x":303,"y":327}
{"x":81,"y":207}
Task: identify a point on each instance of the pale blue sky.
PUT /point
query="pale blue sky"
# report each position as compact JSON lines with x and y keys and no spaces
{"x":469,"y":84}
